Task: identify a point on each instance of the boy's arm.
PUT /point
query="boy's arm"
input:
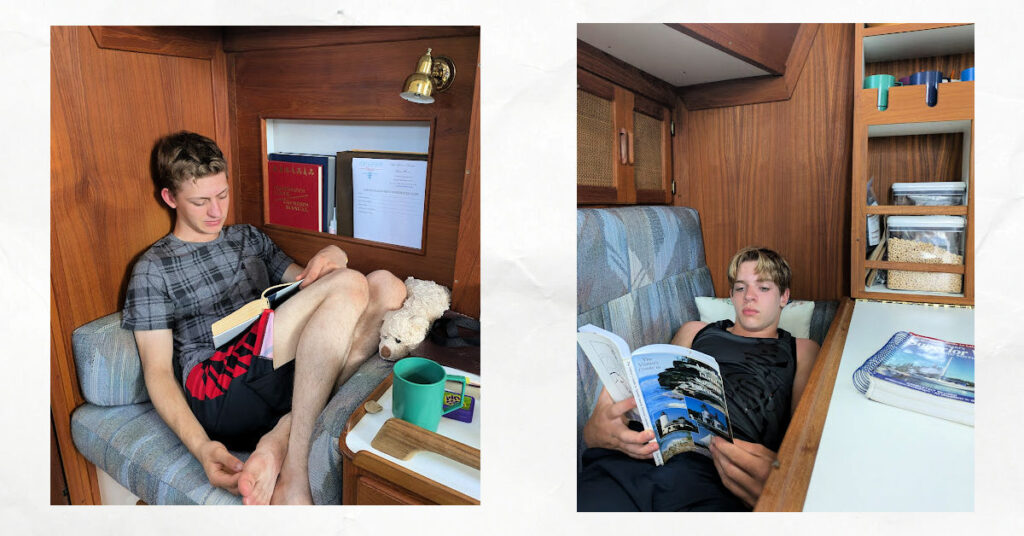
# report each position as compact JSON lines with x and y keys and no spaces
{"x":156,"y":349}
{"x":806,"y":354}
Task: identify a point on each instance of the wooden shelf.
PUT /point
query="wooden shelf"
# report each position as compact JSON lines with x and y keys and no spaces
{"x":953,"y":110}
{"x":916,"y":210}
{"x":902,"y":41}
{"x":908,"y":114}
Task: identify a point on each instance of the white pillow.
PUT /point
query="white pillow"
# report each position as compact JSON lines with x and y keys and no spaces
{"x":796,"y":315}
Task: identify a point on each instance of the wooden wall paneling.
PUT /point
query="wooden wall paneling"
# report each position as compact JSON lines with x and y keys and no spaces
{"x":466,"y":287}
{"x":755,"y":90}
{"x":58,"y":484}
{"x":359,"y":82}
{"x":108,"y":107}
{"x":920,"y":158}
{"x":777,"y":174}
{"x":766,"y":46}
{"x":248,"y":39}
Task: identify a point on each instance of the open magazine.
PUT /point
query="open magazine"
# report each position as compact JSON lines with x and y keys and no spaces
{"x":922,"y":374}
{"x":679,"y":392}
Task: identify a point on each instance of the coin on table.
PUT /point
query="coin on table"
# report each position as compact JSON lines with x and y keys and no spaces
{"x":373,"y":406}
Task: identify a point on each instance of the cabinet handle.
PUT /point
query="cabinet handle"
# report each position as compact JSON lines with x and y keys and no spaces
{"x":623,"y":145}
{"x":629,"y":136}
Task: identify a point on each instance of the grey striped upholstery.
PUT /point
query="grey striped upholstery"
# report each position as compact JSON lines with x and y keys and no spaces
{"x":119,"y":431}
{"x":638,"y":271}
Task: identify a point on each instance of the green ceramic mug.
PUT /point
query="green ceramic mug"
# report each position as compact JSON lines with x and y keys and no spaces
{"x":883,"y":82}
{"x":417,"y":392}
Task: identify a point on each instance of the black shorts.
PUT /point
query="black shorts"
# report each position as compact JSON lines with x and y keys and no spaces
{"x":688,"y":482}
{"x":238,"y":396}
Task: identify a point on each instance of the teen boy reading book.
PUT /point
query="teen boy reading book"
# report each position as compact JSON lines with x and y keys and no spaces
{"x":264,"y":392}
{"x":765,"y":370}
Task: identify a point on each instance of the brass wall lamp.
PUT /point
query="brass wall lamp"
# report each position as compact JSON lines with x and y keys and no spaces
{"x":432,"y":74}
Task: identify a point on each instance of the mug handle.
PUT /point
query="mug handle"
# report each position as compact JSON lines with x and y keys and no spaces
{"x":462,"y":395}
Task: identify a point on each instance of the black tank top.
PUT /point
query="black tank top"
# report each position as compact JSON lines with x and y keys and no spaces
{"x":758,"y":376}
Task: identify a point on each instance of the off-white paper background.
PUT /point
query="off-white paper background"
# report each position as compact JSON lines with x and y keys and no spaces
{"x":528,"y":268}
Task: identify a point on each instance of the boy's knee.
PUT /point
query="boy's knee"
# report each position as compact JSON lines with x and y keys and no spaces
{"x":386,"y":289}
{"x":349,"y":285}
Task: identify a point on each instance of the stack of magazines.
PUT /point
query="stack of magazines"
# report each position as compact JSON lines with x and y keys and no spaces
{"x":922,"y":374}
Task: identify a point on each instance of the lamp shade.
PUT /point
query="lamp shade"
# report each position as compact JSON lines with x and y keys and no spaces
{"x":418,"y":87}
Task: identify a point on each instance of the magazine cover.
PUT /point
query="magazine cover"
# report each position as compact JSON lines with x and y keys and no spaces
{"x":940,"y":368}
{"x":683,"y":399}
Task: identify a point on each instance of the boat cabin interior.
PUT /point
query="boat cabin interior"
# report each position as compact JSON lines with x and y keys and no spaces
{"x":801,"y":138}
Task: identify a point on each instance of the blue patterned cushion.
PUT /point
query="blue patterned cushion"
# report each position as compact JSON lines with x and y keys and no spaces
{"x":132,"y":444}
{"x":109,"y":370}
{"x":324,"y":452}
{"x":623,"y":249}
{"x":119,"y":431}
{"x":638,"y":272}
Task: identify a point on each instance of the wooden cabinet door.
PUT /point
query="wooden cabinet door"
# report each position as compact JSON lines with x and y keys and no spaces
{"x":623,"y":148}
{"x":652,"y":151}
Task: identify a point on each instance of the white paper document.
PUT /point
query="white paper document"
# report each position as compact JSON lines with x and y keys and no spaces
{"x":387,"y":200}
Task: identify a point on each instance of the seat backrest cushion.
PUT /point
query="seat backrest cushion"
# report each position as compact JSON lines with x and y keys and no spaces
{"x":107,"y":362}
{"x":638,"y":271}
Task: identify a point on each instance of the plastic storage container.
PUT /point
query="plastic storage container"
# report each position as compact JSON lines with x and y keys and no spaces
{"x":925,"y":239}
{"x":929,"y":193}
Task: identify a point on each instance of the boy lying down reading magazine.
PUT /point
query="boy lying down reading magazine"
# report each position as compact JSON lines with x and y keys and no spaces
{"x":760,"y":370}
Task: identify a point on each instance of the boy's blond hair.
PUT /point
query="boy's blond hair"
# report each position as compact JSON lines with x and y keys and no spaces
{"x":770,"y":265}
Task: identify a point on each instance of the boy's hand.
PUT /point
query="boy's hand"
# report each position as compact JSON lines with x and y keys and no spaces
{"x":607,"y":428}
{"x":324,"y":262}
{"x":222,"y":468}
{"x":743,"y":467}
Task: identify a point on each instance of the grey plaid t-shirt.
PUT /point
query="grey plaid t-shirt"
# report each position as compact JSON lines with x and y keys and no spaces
{"x":187,"y":286}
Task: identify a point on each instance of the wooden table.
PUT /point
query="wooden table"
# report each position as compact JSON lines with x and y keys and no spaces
{"x":373,"y":477}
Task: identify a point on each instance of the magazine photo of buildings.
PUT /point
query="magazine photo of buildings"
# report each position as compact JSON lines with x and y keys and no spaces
{"x":684,"y":401}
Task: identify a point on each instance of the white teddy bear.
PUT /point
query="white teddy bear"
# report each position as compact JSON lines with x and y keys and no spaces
{"x":425,"y":301}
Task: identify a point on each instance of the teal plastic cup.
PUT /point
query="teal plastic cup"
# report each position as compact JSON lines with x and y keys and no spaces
{"x":417,"y":392}
{"x":882,"y":82}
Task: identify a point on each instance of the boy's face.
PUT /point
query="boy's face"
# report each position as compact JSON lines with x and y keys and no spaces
{"x":757,"y":300}
{"x":201,"y":206}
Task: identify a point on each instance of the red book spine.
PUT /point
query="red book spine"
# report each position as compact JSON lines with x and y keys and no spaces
{"x":295,"y":195}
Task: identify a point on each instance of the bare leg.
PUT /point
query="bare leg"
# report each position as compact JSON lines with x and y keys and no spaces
{"x":328,"y":333}
{"x":387,"y":293}
{"x":259,"y":474}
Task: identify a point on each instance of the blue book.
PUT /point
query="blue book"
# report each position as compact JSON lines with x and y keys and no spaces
{"x":327,"y":164}
{"x":921,"y":374}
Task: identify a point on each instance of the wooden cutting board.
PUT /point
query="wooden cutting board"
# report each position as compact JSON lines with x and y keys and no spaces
{"x":402,"y":440}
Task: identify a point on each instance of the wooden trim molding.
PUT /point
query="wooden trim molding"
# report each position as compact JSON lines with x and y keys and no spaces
{"x":592,"y":59}
{"x":248,"y":39}
{"x":758,"y":89}
{"x":466,"y":281}
{"x":201,"y":42}
{"x":766,"y":46}
{"x":786,"y":487}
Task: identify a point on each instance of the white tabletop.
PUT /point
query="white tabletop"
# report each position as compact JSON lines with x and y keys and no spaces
{"x":440,"y":469}
{"x":875,"y":457}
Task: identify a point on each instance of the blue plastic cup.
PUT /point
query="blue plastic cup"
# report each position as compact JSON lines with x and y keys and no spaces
{"x":967,"y":75}
{"x":931,"y":79}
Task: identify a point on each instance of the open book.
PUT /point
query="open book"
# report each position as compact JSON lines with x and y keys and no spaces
{"x":679,"y":392}
{"x":922,"y":374}
{"x":227,"y":328}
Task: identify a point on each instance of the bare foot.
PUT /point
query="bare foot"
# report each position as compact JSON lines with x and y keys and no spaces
{"x":259,"y":475}
{"x":291,"y":490}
